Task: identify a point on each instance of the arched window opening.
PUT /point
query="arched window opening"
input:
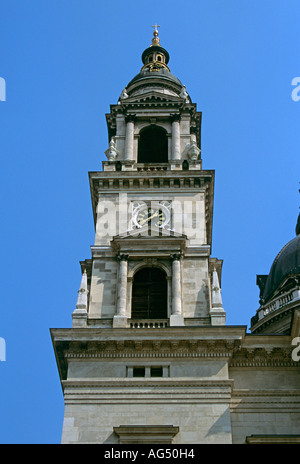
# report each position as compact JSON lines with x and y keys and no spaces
{"x":149,"y":294}
{"x":118,"y":166}
{"x":185,"y":165}
{"x":153,"y":145}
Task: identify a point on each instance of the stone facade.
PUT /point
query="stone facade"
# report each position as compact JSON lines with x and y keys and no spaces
{"x":185,"y":377}
{"x":218,"y":384}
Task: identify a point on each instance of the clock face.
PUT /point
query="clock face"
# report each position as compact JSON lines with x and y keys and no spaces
{"x":153,"y":216}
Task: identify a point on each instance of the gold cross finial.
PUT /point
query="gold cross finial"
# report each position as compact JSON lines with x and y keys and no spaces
{"x":155,"y":40}
{"x":156,"y":26}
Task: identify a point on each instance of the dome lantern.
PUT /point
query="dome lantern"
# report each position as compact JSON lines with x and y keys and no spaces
{"x":155,"y":57}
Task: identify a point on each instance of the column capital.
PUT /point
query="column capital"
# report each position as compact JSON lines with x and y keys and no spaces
{"x":175,"y":117}
{"x":121,"y":257}
{"x":130,"y":118}
{"x":176,"y":256}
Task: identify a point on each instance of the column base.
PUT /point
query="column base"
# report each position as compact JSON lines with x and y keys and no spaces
{"x":119,"y":322}
{"x":176,"y":320}
{"x":175,"y":164}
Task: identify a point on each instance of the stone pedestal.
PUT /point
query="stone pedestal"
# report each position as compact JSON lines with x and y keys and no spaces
{"x":176,"y":320}
{"x":79,"y":319}
{"x":119,"y":322}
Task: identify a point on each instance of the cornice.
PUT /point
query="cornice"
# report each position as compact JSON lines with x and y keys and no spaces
{"x":144,"y":390}
{"x":204,"y":334}
{"x":226,"y":343}
{"x":126,"y":175}
{"x":253,"y":357}
{"x":222,"y":349}
{"x":164,"y":382}
{"x":271,"y":395}
{"x":155,"y":348}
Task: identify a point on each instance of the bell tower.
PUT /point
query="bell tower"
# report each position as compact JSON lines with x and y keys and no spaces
{"x":153,"y":208}
{"x":145,"y":361}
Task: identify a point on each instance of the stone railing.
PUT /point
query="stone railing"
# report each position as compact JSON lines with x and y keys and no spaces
{"x":152,"y":167}
{"x":278,"y":303}
{"x":148,"y":323}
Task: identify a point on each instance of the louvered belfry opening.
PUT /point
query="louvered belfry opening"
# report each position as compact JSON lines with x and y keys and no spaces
{"x":149,"y":294}
{"x":153,"y":145}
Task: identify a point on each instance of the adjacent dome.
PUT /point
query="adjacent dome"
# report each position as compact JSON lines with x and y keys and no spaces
{"x":285,"y":265}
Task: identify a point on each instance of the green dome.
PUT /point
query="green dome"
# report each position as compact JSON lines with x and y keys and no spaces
{"x":163,"y":74}
{"x":286,"y":264}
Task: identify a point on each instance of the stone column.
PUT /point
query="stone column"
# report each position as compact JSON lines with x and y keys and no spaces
{"x":175,"y":136}
{"x":129,"y":138}
{"x":120,"y":319}
{"x":176,"y":318}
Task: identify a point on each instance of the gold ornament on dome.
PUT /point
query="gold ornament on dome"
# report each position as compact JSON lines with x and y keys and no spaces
{"x":155,"y":40}
{"x":155,"y":61}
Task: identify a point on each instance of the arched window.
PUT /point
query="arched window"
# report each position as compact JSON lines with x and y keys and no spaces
{"x":153,"y":145}
{"x":149,"y":294}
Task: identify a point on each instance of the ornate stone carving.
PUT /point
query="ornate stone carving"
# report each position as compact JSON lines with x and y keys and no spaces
{"x":193,"y":151}
{"x":184,"y":94}
{"x":111,"y":152}
{"x":123,"y":95}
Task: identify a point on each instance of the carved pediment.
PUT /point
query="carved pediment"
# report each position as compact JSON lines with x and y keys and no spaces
{"x":149,"y":239}
{"x":149,"y":232}
{"x":152,"y":98}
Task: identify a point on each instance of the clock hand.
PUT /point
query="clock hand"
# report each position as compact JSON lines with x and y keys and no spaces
{"x":153,"y":216}
{"x":148,"y":219}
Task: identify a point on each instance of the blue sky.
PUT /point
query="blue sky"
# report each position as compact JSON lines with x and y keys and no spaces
{"x":64,"y":62}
